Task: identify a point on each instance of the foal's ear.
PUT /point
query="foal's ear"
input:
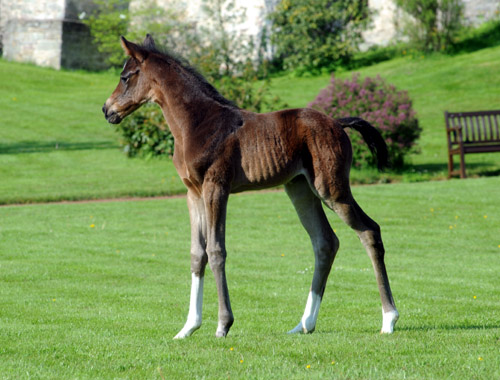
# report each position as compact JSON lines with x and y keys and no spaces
{"x":133,"y":50}
{"x":149,"y":43}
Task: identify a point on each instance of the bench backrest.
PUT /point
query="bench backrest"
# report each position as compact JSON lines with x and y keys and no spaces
{"x":476,"y":127}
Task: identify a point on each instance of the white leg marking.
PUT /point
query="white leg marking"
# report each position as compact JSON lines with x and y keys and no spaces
{"x":193,"y":322}
{"x":389,"y":319}
{"x":308,"y":322}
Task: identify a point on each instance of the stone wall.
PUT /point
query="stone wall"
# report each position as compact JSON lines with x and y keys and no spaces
{"x":382,"y":29}
{"x":48,"y":33}
{"x":36,"y":41}
{"x":77,"y":50}
{"x":32,"y":31}
{"x":479,"y":11}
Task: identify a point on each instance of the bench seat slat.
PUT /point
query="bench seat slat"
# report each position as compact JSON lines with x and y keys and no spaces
{"x":472,"y":143}
{"x":478,"y":128}
{"x":476,"y":149}
{"x":469,"y":126}
{"x":474,"y":113}
{"x":496,"y":117}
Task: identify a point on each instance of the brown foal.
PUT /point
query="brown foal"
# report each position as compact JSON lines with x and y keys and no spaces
{"x":222,"y":149}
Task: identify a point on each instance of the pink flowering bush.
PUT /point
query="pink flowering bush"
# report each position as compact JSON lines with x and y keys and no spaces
{"x":379,"y":103}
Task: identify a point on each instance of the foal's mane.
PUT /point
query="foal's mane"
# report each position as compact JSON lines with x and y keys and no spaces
{"x":195,"y":79}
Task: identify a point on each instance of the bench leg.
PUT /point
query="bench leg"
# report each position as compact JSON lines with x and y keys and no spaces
{"x":450,"y":165}
{"x":462,"y":165}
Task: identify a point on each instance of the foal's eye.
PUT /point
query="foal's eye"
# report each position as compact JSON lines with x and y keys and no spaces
{"x":124,"y":79}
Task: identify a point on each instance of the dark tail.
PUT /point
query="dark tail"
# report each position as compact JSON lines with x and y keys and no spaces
{"x":372,"y":137}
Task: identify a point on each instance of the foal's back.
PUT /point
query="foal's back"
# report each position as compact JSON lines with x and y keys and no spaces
{"x":275,"y":147}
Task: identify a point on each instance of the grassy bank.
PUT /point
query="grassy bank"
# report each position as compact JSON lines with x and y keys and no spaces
{"x":56,"y":145}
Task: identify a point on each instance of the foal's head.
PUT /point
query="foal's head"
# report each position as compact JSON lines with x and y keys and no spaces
{"x":134,"y":88}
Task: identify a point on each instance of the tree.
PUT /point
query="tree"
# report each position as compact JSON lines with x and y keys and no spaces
{"x":433,"y":24}
{"x":310,"y":35}
{"x":107,"y":24}
{"x":226,"y":55}
{"x":169,"y":26}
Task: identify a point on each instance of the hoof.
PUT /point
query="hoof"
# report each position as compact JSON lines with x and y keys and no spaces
{"x":299,"y":329}
{"x":181,"y":335}
{"x":389,"y":320}
{"x":221,"y":334}
{"x":223,"y":326}
{"x":187,"y":331}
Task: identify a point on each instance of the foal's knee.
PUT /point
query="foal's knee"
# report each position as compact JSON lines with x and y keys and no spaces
{"x":217,"y":259}
{"x":372,"y":239}
{"x":198,"y":261}
{"x":326,"y":248}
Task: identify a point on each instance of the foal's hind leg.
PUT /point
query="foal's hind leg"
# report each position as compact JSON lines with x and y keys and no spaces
{"x":369,"y":234}
{"x":325,"y":245}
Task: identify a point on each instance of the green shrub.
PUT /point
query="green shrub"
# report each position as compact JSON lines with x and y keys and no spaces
{"x":379,"y":103}
{"x":145,"y":133}
{"x":243,"y":90}
{"x":375,"y":54}
{"x":473,"y":39}
{"x":433,"y":25}
{"x":311,"y":35}
{"x":107,"y":24}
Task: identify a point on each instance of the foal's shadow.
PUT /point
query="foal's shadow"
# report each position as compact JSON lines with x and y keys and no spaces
{"x":409,"y":328}
{"x":486,"y":326}
{"x":53,"y":146}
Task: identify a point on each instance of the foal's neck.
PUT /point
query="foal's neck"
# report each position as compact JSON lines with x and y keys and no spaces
{"x":184,"y":106}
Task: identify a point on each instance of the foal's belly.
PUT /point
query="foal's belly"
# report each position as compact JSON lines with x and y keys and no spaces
{"x":261,"y":169}
{"x":246,"y":184}
{"x":269,"y":151}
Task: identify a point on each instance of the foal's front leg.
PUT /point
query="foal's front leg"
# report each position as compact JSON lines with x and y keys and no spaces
{"x":216,"y":197}
{"x":198,"y":263}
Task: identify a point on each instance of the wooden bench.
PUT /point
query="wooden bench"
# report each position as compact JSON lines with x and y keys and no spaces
{"x":471,"y":132}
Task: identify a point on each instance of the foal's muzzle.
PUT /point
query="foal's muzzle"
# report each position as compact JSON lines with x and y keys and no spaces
{"x":112,"y":117}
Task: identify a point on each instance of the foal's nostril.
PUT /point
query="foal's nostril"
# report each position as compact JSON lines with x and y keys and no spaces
{"x":104,"y":110}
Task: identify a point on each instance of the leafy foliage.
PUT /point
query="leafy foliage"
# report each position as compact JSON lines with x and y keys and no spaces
{"x":473,"y":39}
{"x":146,"y":134}
{"x":227,"y":58}
{"x":107,"y":24}
{"x":228,"y":50}
{"x":310,"y":35}
{"x":169,"y":26}
{"x":434,"y":24}
{"x":379,"y":103}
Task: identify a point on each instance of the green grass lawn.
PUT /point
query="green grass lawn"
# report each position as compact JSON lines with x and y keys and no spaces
{"x":84,"y":174}
{"x":98,"y":290}
{"x":56,"y":145}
